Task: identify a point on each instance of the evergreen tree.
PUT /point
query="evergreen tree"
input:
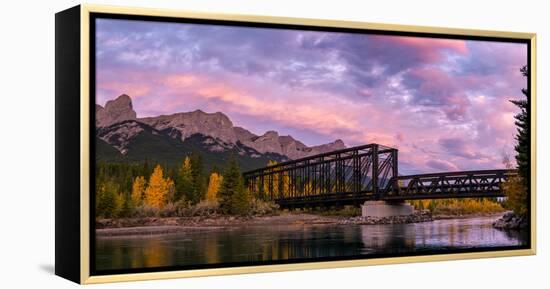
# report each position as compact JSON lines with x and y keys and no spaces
{"x":106,"y":200}
{"x":523,"y":127}
{"x":516,"y":187}
{"x":233,"y":197}
{"x":127,"y":208}
{"x":198,"y":179}
{"x":184,"y":181}
{"x":121,"y":207}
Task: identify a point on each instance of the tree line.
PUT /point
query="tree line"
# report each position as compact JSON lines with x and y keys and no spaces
{"x":127,"y":190}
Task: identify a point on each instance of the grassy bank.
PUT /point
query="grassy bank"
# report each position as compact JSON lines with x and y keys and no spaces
{"x":459,"y":207}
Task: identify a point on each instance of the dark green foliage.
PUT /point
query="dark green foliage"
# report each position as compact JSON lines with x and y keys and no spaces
{"x":106,"y":196}
{"x":233,"y":197}
{"x":162,"y":149}
{"x":112,"y":181}
{"x":523,"y":132}
{"x":122,"y":174}
{"x":516,"y":190}
{"x":198,"y":189}
{"x":127,"y":207}
{"x":184,"y":183}
{"x":105,"y":152}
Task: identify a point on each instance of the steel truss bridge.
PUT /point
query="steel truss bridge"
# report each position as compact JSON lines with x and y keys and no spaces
{"x":369,"y":172}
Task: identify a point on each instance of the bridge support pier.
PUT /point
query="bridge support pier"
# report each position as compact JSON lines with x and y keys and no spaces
{"x":381,"y":209}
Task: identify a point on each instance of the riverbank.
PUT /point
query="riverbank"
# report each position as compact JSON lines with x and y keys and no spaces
{"x":285,"y":218}
{"x":168,"y":225}
{"x":155,"y":225}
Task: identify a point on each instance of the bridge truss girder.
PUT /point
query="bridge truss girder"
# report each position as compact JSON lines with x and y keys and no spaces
{"x":358,"y":170}
{"x":359,"y":174}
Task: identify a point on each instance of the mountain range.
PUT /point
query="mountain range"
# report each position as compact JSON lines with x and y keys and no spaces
{"x":167,"y":139}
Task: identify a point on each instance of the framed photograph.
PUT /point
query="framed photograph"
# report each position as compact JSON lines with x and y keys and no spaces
{"x":194,"y":144}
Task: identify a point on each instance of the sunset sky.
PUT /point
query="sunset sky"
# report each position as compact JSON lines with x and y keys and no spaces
{"x":443,"y":103}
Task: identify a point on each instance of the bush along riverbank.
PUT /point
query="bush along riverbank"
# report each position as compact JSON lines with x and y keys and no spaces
{"x":459,"y":208}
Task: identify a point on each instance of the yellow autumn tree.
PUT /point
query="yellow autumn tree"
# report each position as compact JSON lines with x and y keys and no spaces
{"x":157,"y":191}
{"x":308,"y":188}
{"x":516,"y":195}
{"x":272,"y":179}
{"x":286,"y":184}
{"x":514,"y":190}
{"x":138,"y":190}
{"x":213,"y":186}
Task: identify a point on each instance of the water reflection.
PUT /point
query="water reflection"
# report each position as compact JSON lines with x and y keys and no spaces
{"x":391,"y":238}
{"x":437,"y":235}
{"x":266,"y":243}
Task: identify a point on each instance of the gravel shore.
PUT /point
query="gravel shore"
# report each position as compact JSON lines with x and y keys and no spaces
{"x":153,"y":225}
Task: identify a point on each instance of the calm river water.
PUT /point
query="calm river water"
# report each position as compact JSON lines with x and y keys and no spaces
{"x":267,"y":243}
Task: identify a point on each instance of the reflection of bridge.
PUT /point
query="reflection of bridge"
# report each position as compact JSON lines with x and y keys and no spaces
{"x":358,"y":174}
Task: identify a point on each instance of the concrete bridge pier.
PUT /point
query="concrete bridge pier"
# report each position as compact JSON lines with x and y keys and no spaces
{"x":381,"y":209}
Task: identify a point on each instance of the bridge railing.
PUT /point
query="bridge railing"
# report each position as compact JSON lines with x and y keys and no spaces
{"x":481,"y":183}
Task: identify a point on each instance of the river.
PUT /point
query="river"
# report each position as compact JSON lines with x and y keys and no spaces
{"x":286,"y":242}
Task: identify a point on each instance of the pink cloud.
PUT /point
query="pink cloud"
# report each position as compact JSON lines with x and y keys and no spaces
{"x":442,"y":165}
{"x":322,"y":117}
{"x":430,"y":46}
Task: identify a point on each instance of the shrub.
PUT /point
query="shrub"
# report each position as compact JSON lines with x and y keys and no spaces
{"x":180,"y":208}
{"x":516,"y":195}
{"x":458,"y":206}
{"x":169,"y":210}
{"x":346,"y":211}
{"x":206,"y":208}
{"x":259,"y":207}
{"x":146,"y":211}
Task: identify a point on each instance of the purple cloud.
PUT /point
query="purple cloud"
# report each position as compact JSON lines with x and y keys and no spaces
{"x":442,"y":165}
{"x":461,"y":148}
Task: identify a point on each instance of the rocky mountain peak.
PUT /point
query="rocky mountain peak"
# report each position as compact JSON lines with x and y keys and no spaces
{"x":217,"y":127}
{"x":332,"y":146}
{"x":117,"y":110}
{"x":271,"y":134}
{"x":243,"y":135}
{"x":338,"y":143}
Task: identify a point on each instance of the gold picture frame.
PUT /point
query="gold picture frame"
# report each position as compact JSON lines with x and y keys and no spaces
{"x":69,"y":50}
